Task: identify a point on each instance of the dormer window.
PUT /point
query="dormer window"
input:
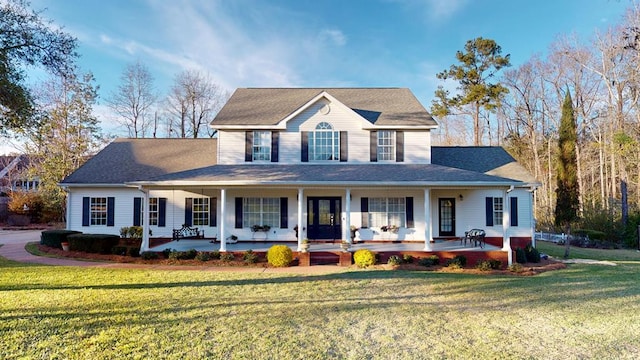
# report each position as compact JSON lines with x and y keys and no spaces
{"x":324,"y":143}
{"x":261,"y":146}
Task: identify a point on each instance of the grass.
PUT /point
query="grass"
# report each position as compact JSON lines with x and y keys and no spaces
{"x":584,"y":311}
{"x":557,"y":251}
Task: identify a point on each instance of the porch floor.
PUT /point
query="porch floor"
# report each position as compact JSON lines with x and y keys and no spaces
{"x":263,"y":246}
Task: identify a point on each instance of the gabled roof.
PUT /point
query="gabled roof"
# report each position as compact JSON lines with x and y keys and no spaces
{"x":490,"y":160}
{"x":268,"y":106}
{"x":138,"y":159}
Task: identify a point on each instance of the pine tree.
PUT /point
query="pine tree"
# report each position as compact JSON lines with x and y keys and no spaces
{"x":567,"y":202}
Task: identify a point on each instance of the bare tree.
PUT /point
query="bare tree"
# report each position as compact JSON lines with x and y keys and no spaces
{"x":134,"y":99}
{"x":193,"y":102}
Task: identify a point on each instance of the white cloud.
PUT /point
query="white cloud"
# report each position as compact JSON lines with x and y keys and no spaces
{"x":336,"y":37}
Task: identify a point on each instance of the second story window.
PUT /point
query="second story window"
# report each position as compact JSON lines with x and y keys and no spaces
{"x":324,"y":143}
{"x":261,"y":146}
{"x":386,"y":145}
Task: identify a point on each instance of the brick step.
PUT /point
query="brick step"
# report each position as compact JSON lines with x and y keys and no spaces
{"x":324,"y":258}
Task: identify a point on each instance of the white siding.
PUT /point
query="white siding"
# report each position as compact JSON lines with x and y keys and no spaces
{"x":231,"y":144}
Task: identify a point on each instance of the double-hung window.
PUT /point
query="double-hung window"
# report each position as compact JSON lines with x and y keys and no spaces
{"x":261,"y":146}
{"x":200,"y":211}
{"x":387,"y":211}
{"x":153,"y":211}
{"x":260,"y":211}
{"x":386,"y":145}
{"x":324,"y":143}
{"x":498,"y":207}
{"x":98,"y":210}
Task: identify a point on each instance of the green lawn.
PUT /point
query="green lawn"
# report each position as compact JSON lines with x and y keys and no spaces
{"x":585,"y":311}
{"x":557,"y":251}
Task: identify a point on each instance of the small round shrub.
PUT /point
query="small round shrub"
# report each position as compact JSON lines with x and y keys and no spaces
{"x":149,"y":255}
{"x":228,"y":256}
{"x":484,"y":265}
{"x":203,"y":256}
{"x":364,"y":257}
{"x":394,"y":260}
{"x":532,"y":254}
{"x":458,"y":262}
{"x":279,"y":256}
{"x":407,"y":259}
{"x":166,"y":253}
{"x":250,"y":257}
{"x":516,"y":268}
{"x":521,"y":256}
{"x":119,"y":250}
{"x":215,"y":254}
{"x":190,"y":254}
{"x":429,"y":261}
{"x":134,"y":252}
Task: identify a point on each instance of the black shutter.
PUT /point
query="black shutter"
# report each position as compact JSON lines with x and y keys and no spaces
{"x":344,"y":149}
{"x":399,"y":146}
{"x":489,"y":211}
{"x":284,"y":213}
{"x":409,"y":208}
{"x":304,"y":147}
{"x":248,"y":146}
{"x":86,"y":211}
{"x":213,"y":211}
{"x":364,"y":211}
{"x":514,"y":211}
{"x":238,"y":213}
{"x":188,"y":211}
{"x":137,"y":209}
{"x":275,"y":139}
{"x":162,"y":212}
{"x":373,"y":146}
{"x":111,"y":208}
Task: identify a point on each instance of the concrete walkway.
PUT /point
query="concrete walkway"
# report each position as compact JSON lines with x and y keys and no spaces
{"x":13,"y":248}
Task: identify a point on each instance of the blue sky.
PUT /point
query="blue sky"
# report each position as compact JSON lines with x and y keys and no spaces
{"x":321,"y":43}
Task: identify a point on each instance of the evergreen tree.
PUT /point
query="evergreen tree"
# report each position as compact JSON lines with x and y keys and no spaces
{"x":479,"y":63}
{"x":567,"y":202}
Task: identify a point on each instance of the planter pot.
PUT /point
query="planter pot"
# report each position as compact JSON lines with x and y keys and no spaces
{"x":304,"y":247}
{"x":65,"y":246}
{"x":345,"y":246}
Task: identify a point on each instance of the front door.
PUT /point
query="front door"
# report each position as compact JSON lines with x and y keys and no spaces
{"x":323,"y":219}
{"x":447,"y":211}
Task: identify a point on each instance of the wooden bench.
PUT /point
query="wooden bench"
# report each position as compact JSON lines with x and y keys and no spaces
{"x":187,"y":232}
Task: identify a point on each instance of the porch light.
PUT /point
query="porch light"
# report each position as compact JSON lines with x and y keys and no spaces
{"x":461,"y":197}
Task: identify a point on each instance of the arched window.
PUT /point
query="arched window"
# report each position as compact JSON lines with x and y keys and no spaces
{"x":324,"y":143}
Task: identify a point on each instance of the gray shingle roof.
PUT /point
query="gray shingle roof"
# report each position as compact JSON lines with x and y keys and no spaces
{"x":138,"y":159}
{"x":491,"y":160}
{"x":369,"y":174}
{"x":268,"y":106}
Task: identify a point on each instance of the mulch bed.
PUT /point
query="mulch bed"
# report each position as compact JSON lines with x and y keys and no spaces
{"x":528,"y":269}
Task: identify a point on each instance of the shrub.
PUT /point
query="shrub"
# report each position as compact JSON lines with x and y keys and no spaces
{"x":134,"y":251}
{"x":183,"y":255}
{"x":190,"y":254}
{"x":53,"y":238}
{"x":32,"y":200}
{"x":149,"y":255}
{"x":532,"y":254}
{"x":458,"y":262}
{"x":203,"y":256}
{"x":394,"y":260}
{"x":93,"y":243}
{"x":119,"y":250}
{"x":279,"y":256}
{"x":250,"y":257}
{"x":406,"y":258}
{"x":429,"y":261}
{"x":175,"y":255}
{"x":486,"y":265}
{"x":364,"y":257}
{"x":228,"y":256}
{"x":516,"y":268}
{"x":521,"y":256}
{"x":166,"y":253}
{"x":215,"y":254}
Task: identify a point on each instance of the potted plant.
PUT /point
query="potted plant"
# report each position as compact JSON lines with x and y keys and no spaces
{"x":65,"y":245}
{"x":304,"y":246}
{"x":353,"y":232}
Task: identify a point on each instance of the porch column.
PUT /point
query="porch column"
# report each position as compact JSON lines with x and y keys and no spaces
{"x":427,"y":220}
{"x":223,"y":216}
{"x":506,"y":221}
{"x":347,"y":210}
{"x":145,"y":221}
{"x":301,"y":225}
